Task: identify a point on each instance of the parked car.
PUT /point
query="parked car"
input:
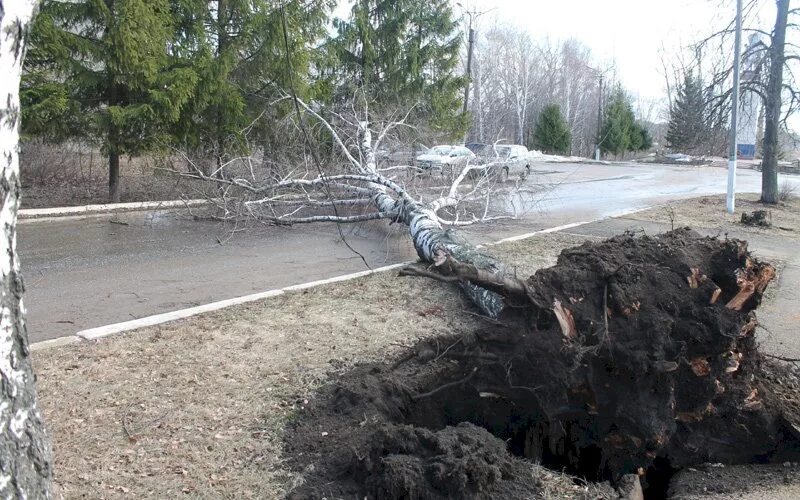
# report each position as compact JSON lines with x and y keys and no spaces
{"x":514,"y":160}
{"x":445,"y":158}
{"x":507,"y":160}
{"x":480,"y":150}
{"x":401,"y":154}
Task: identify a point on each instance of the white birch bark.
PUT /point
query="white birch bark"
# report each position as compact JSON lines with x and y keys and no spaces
{"x":25,"y":456}
{"x":430,"y":238}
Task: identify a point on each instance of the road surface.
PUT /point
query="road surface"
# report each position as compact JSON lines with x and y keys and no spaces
{"x":84,"y":272}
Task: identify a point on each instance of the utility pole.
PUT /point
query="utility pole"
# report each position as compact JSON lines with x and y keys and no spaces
{"x":599,"y":120}
{"x":473,"y":15}
{"x":470,"y":43}
{"x":730,"y":203}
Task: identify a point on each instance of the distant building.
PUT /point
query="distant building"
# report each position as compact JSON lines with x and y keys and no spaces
{"x":750,"y":102}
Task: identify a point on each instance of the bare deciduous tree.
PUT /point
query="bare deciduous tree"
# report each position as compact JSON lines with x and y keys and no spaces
{"x":776,"y":86}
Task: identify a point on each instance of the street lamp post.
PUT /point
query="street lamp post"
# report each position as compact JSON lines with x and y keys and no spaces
{"x":730,"y":202}
{"x":599,"y":120}
{"x":471,"y":41}
{"x":473,"y":15}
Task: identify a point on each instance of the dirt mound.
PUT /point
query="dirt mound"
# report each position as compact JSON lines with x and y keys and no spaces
{"x":632,"y":355}
{"x":462,"y":461}
{"x":639,"y":347}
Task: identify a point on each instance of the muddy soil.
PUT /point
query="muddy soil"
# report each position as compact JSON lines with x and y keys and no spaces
{"x":632,"y":355}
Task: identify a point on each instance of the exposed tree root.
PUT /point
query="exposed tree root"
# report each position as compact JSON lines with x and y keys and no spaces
{"x":632,"y":355}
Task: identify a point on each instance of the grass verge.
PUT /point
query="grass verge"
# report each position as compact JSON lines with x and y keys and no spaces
{"x":197,"y":407}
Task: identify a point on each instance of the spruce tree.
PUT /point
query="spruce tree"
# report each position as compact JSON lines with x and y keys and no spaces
{"x":618,"y":125}
{"x":552,"y":133}
{"x":402,"y":53}
{"x":239,"y":50}
{"x":688,"y":126}
{"x":98,"y":70}
{"x":641,"y":138}
{"x":134,"y":76}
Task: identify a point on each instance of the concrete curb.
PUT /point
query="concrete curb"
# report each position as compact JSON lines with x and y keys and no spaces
{"x":38,"y":213}
{"x":60,"y":341}
{"x":157,"y":319}
{"x":621,"y":213}
{"x":105,"y":331}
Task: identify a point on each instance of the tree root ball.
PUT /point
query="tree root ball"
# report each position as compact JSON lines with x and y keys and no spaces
{"x":637,"y":347}
{"x":634,"y":355}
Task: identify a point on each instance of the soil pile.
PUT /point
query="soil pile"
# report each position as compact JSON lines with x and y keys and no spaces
{"x":632,"y":355}
{"x":757,"y":218}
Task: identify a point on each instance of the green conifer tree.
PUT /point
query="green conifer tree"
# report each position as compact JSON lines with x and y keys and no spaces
{"x":640,"y":137}
{"x":688,"y":125}
{"x":136,"y":75}
{"x":552,"y":133}
{"x":99,"y":70}
{"x":402,"y":53}
{"x":618,"y":125}
{"x":239,"y":49}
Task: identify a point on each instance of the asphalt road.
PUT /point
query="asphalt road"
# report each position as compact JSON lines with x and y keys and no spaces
{"x":84,"y":272}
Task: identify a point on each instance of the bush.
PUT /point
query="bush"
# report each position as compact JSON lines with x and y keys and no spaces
{"x":787,"y":191}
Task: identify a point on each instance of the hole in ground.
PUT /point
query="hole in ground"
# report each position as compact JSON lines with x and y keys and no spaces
{"x":527,"y":434}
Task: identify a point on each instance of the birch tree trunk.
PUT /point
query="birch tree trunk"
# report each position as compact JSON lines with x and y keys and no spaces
{"x":432,"y":242}
{"x":25,"y":456}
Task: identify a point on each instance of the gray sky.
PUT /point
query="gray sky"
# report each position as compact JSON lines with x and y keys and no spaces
{"x":629,"y":33}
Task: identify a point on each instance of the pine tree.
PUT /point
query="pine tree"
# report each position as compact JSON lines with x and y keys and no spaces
{"x":688,"y":124}
{"x":552,"y":132}
{"x":402,"y":53}
{"x":618,"y":125}
{"x":98,"y":70}
{"x":644,"y":140}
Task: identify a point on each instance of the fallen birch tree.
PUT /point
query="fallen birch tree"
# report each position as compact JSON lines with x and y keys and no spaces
{"x":363,"y":192}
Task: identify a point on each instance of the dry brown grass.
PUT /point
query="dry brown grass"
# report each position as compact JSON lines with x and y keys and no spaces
{"x":196,"y":408}
{"x":77,"y":174}
{"x":709,"y":212}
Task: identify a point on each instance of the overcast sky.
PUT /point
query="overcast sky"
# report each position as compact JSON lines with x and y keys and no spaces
{"x":629,"y":33}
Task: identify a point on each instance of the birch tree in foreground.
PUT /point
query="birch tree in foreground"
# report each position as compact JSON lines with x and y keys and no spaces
{"x":25,"y":463}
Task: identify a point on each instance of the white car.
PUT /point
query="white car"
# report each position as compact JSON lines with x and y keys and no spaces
{"x":445,"y":158}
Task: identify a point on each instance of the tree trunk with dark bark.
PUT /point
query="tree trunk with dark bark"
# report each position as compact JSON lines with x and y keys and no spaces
{"x":113,"y":132}
{"x":25,"y":456}
{"x":772,"y":109}
{"x":113,"y":177}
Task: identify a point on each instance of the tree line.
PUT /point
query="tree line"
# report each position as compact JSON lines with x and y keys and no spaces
{"x":546,"y":94}
{"x":209,"y":78}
